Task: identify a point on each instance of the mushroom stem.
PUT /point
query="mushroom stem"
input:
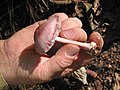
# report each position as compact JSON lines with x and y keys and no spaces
{"x":86,"y":46}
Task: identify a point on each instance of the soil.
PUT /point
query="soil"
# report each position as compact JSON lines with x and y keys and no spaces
{"x":96,"y":15}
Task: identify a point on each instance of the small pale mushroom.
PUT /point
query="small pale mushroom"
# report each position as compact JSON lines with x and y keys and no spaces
{"x":48,"y":33}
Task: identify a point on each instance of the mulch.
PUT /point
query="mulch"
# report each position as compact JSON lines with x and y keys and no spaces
{"x":97,"y":15}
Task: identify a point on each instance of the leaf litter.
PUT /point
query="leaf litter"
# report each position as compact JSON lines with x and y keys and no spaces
{"x":97,"y":15}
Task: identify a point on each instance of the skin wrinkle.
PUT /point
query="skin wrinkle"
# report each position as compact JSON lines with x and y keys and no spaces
{"x":5,"y":49}
{"x":68,"y":34}
{"x":59,"y":66}
{"x":96,"y":37}
{"x":61,"y":62}
{"x":65,"y":58}
{"x":2,"y":51}
{"x":44,"y":69}
{"x":10,"y":49}
{"x":74,"y":34}
{"x":3,"y":57}
{"x":6,"y":64}
{"x":33,"y":62}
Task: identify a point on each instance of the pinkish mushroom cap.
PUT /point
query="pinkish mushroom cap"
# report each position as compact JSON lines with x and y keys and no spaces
{"x":45,"y":34}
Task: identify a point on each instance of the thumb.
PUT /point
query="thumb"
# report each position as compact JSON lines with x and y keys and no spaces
{"x":66,"y":55}
{"x":62,"y":60}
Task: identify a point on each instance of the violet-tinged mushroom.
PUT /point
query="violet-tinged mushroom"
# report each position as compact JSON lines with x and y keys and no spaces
{"x":48,"y":33}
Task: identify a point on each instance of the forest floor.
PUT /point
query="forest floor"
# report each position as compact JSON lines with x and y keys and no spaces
{"x":102,"y":16}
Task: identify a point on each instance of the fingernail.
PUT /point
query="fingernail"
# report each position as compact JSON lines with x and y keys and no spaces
{"x":98,"y":37}
{"x":72,"y":51}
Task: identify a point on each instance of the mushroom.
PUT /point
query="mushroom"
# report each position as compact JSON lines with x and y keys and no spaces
{"x":48,"y":33}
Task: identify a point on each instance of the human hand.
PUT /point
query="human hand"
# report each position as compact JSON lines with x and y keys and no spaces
{"x":23,"y":65}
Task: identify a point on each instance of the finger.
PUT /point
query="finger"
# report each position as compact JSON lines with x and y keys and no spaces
{"x":62,"y":16}
{"x":86,"y":56}
{"x":60,"y":61}
{"x":71,"y":23}
{"x":96,"y":37}
{"x":74,"y":34}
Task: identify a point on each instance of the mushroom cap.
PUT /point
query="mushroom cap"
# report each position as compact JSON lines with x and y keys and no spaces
{"x":45,"y":34}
